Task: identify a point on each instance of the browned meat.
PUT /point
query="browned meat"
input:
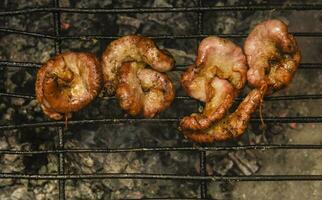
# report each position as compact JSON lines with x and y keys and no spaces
{"x":143,"y":90}
{"x":67,"y":83}
{"x":132,"y":48}
{"x":216,"y":77}
{"x":272,"y":55}
{"x":232,"y":125}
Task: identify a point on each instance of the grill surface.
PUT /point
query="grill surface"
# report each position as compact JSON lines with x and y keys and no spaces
{"x":62,"y":176}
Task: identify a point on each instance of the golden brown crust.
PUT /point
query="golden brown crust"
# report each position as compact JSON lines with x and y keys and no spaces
{"x":67,"y":83}
{"x":216,"y":77}
{"x":233,"y":125}
{"x":132,"y":48}
{"x":272,"y":54}
{"x":273,"y":57}
{"x":129,"y":91}
{"x":142,"y":90}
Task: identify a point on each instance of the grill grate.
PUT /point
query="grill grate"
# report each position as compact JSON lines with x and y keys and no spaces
{"x":61,"y":176}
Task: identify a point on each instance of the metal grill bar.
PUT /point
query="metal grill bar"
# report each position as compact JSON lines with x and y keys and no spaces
{"x":202,"y":154}
{"x":61,"y":163}
{"x":193,"y":36}
{"x":166,"y":198}
{"x":203,"y":172}
{"x":31,"y":65}
{"x":61,"y":159}
{"x":57,"y":37}
{"x":163,"y":177}
{"x":56,"y":15}
{"x":308,"y":119}
{"x":165,"y":9}
{"x":268,"y":98}
{"x":163,"y":149}
{"x":170,"y":198}
{"x":302,"y":66}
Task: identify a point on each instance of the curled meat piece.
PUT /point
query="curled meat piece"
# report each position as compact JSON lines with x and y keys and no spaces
{"x":216,"y":77}
{"x":67,"y":83}
{"x":132,"y":48}
{"x":272,"y":55}
{"x":143,"y":90}
{"x":232,"y":125}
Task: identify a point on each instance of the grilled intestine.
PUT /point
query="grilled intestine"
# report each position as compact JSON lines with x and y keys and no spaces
{"x":273,"y":57}
{"x":143,"y":90}
{"x":133,"y":68}
{"x":67,"y":83}
{"x":216,"y":78}
{"x":232,"y":125}
{"x":132,"y":48}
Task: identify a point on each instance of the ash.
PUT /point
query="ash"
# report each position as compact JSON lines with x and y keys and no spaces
{"x":130,"y":135}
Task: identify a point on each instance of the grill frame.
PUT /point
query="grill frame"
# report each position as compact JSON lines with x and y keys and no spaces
{"x":61,"y":176}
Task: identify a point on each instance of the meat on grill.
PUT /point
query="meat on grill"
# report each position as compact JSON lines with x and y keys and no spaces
{"x":232,"y":125}
{"x":67,"y":83}
{"x":272,"y":55}
{"x":132,"y":48}
{"x":143,"y":90}
{"x":216,"y":77}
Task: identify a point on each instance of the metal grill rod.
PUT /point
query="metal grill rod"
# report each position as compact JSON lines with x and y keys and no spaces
{"x":164,"y":149}
{"x":181,"y":67}
{"x":62,"y":177}
{"x":61,"y":156}
{"x":268,"y":98}
{"x":171,"y":198}
{"x":309,"y":119}
{"x":162,"y":177}
{"x":167,"y":198}
{"x":192,"y":36}
{"x":202,"y":153}
{"x":164,"y":9}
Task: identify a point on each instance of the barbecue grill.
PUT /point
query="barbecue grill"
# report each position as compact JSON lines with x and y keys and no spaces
{"x":202,"y":177}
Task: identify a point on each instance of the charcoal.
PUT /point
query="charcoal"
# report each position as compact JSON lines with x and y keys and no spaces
{"x":4,"y":146}
{"x":245,"y":161}
{"x":3,"y":143}
{"x":18,"y":101}
{"x":22,"y":193}
{"x":18,"y":77}
{"x":8,"y":115}
{"x":223,"y":166}
{"x":220,"y":190}
{"x":88,"y":4}
{"x":23,"y":48}
{"x":128,"y":23}
{"x":6,"y":182}
{"x":181,"y":56}
{"x":83,"y":190}
{"x":46,"y":191}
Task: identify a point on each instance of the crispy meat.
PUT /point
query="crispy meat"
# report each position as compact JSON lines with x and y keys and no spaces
{"x":143,"y":90}
{"x":272,"y":55}
{"x":132,"y":48}
{"x":216,"y":77}
{"x":67,"y":83}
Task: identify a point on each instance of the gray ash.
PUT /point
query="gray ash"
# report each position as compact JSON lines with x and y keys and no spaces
{"x":130,"y":135}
